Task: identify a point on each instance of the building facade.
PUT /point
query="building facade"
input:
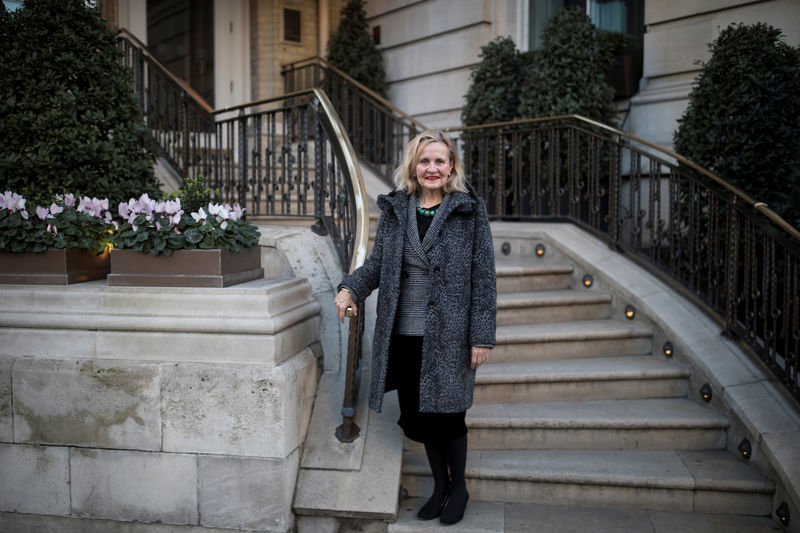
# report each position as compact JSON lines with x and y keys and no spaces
{"x":231,"y":51}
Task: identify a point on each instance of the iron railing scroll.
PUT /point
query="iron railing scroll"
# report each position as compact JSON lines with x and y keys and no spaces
{"x":705,"y":237}
{"x":287,"y":156}
{"x":379,"y":131}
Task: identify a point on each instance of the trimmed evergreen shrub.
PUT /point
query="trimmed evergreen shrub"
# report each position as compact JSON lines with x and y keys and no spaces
{"x":494,"y":92}
{"x":69,"y":120}
{"x":743,"y":117}
{"x":352,"y":50}
{"x":569,"y":73}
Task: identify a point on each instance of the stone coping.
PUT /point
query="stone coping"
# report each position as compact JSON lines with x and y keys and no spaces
{"x":262,"y":321}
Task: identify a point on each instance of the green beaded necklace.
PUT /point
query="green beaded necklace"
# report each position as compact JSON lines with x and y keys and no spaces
{"x":425,"y":212}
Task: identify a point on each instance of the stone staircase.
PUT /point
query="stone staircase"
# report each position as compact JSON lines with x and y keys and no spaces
{"x":575,"y":414}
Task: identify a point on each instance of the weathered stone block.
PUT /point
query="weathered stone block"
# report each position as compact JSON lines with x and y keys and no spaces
{"x":127,"y":485}
{"x":238,"y":409}
{"x":34,"y":479}
{"x":108,"y":404}
{"x":246,"y":492}
{"x":6,"y":419}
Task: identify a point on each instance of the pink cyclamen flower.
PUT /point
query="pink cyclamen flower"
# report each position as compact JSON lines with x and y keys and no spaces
{"x":55,"y":209}
{"x":42,"y":212}
{"x":51,"y":228}
{"x":69,"y":200}
{"x":200,"y":216}
{"x":158,"y":226}
{"x":124,"y":210}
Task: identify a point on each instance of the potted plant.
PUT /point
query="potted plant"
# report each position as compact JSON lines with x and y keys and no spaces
{"x":66,"y":242}
{"x":161,"y":244}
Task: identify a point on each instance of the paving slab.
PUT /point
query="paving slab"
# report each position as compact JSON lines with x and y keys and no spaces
{"x":480,"y":517}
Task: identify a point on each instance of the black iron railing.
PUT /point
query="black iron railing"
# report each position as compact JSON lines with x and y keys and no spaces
{"x":379,"y":131}
{"x":709,"y":239}
{"x":283,"y":156}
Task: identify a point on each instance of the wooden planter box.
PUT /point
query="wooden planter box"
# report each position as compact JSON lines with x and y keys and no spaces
{"x":53,"y":267}
{"x":185,"y":268}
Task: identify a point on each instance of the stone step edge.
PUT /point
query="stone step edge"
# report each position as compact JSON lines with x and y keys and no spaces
{"x":579,"y":421}
{"x":609,"y":330}
{"x":512,"y":270}
{"x":526,"y":372}
{"x":599,"y":478}
{"x":483,"y":516}
{"x":549,"y":298}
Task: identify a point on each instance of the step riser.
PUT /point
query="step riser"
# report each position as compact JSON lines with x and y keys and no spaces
{"x":595,"y":439}
{"x":570,"y":349}
{"x":580,"y":495}
{"x":570,"y":391}
{"x":538,"y":282}
{"x":550,"y":314}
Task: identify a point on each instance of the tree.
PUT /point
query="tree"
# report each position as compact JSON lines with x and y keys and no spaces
{"x":351,"y":49}
{"x":743,"y":117}
{"x":69,"y":122}
{"x":494,"y":92}
{"x":569,"y":73}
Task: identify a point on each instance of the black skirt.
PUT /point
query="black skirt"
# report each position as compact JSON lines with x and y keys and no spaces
{"x":405,"y":362}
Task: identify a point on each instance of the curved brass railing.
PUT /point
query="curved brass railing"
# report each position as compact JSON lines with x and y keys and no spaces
{"x":257,"y":154}
{"x":378,"y":129}
{"x":705,"y":237}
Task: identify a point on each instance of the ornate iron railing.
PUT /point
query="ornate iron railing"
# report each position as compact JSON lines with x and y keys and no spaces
{"x":283,"y":156}
{"x":379,"y":131}
{"x":709,"y":239}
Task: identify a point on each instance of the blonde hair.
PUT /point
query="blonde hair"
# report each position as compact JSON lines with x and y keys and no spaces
{"x":405,"y":175}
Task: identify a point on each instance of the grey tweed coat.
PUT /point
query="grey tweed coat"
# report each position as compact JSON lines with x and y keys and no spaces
{"x":462,"y":298}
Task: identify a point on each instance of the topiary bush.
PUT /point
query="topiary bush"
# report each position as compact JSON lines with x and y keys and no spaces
{"x":743,"y":117}
{"x":494,"y":92}
{"x":569,"y":73}
{"x":352,"y":50}
{"x":69,"y":120}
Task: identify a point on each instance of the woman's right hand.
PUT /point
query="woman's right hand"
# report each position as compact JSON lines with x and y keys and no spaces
{"x":344,"y":300}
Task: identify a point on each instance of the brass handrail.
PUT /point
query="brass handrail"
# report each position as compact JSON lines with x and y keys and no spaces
{"x":164,"y":70}
{"x":759,"y":206}
{"x":386,"y":103}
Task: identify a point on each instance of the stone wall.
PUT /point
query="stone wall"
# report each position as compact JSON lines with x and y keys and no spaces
{"x":429,"y":47}
{"x":174,"y":405}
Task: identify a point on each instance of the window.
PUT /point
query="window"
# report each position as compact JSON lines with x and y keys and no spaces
{"x":291,"y":25}
{"x":376,"y":35}
{"x":623,"y":16}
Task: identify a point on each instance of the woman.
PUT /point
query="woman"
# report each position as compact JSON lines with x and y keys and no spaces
{"x":433,"y":260}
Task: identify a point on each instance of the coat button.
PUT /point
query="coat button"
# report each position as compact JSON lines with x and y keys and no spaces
{"x":436,"y":268}
{"x":431,"y":303}
{"x":405,"y":273}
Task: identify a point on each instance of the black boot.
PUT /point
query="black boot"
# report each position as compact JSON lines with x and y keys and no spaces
{"x":457,"y":497}
{"x":441,"y":481}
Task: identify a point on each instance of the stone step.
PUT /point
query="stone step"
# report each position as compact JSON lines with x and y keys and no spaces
{"x":498,"y":517}
{"x":714,"y":481}
{"x":657,"y":424}
{"x":577,"y":339}
{"x":599,"y":378}
{"x":544,"y":306}
{"x":513,"y":277}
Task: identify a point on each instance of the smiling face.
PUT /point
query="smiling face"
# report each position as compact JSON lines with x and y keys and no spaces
{"x":433,"y":169}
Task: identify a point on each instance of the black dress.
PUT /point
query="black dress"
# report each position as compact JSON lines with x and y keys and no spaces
{"x":405,"y":362}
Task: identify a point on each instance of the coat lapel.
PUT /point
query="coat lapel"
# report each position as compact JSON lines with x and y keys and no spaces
{"x":412,"y":230}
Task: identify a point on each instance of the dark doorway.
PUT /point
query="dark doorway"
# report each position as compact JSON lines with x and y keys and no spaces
{"x":180,"y":34}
